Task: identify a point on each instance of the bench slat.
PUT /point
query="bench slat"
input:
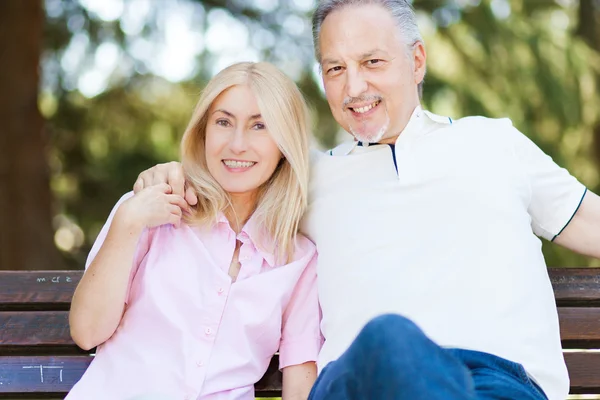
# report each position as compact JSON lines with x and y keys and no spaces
{"x":20,"y":287}
{"x":584,"y":370}
{"x":580,"y":327}
{"x":58,"y":374}
{"x":43,"y":374}
{"x":573,"y":286}
{"x":34,"y":328}
{"x":37,"y":289}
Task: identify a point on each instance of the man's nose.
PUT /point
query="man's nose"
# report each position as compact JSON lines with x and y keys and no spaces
{"x":356,"y":84}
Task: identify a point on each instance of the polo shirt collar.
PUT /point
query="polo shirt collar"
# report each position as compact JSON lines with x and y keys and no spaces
{"x":420,"y":122}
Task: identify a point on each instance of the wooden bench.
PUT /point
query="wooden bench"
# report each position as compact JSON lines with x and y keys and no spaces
{"x":38,"y":359}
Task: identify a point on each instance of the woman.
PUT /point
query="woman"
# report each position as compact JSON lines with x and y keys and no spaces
{"x":191,"y":303}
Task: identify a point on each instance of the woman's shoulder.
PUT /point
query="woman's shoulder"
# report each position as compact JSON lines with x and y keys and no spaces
{"x":304,"y":249}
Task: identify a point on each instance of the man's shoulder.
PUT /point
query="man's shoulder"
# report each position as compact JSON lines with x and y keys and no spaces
{"x":479,"y":130}
{"x":479,"y":122}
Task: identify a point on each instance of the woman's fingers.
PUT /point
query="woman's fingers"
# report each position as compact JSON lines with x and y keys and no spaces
{"x":174,"y":220}
{"x":176,"y":210}
{"x":175,"y":214}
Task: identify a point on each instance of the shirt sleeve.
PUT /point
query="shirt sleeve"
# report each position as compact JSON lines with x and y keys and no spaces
{"x":301,"y":338}
{"x":555,"y":194}
{"x":141,"y":249}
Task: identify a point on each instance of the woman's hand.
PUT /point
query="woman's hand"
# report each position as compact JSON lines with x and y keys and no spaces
{"x":150,"y":207}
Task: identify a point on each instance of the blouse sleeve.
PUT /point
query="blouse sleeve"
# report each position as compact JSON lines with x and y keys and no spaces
{"x":301,"y":338}
{"x":141,"y":249}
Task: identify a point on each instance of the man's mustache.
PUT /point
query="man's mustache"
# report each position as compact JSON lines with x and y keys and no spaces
{"x":349,"y":101}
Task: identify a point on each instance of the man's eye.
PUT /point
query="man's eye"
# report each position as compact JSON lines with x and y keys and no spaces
{"x":334,"y":69}
{"x":374,"y":61}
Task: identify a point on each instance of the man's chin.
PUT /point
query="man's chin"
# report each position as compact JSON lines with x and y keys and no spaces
{"x":370,"y":137}
{"x":369,"y":133}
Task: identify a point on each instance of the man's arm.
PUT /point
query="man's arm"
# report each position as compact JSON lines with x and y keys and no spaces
{"x":170,"y":173}
{"x":582,"y":234}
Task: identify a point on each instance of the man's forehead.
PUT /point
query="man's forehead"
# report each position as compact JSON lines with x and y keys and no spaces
{"x":356,"y":32}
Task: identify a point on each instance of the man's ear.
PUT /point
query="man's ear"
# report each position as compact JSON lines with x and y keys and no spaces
{"x":419,"y":62}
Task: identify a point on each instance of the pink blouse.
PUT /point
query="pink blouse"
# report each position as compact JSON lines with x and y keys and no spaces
{"x":188,"y":332}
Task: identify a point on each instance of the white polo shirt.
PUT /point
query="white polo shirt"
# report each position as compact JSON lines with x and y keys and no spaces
{"x":448,"y":241}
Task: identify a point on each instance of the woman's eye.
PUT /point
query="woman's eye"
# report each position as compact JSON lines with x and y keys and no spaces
{"x":223,"y":122}
{"x":259,"y":126}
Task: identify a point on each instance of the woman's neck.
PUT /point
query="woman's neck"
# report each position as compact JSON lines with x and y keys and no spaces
{"x":242,"y":207}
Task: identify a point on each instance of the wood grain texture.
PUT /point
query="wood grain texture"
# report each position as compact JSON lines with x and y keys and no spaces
{"x":576,"y":286}
{"x":37,"y":290}
{"x":580,"y":327}
{"x":34,"y":328}
{"x":584,"y":370}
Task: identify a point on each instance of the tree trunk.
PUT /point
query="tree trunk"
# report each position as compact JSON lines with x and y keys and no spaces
{"x":26,"y":234}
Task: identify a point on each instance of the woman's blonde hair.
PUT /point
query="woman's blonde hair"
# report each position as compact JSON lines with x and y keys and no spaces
{"x":282,"y":199}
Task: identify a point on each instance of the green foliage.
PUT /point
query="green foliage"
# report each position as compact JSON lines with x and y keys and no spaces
{"x":530,"y":65}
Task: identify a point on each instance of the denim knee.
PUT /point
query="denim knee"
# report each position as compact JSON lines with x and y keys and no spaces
{"x":391,"y":323}
{"x":391,"y":330}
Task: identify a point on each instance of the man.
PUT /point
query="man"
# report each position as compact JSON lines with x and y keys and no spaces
{"x":431,"y":278}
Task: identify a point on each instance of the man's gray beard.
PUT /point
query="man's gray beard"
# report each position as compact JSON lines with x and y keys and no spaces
{"x":373,"y":138}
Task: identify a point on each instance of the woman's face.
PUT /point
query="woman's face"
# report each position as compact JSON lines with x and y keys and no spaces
{"x":240,"y":153}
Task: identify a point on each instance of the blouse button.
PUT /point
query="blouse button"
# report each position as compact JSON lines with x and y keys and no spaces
{"x":208,"y":331}
{"x":220,"y":290}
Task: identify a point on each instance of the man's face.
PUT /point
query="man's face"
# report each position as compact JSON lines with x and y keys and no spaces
{"x":369,"y":73}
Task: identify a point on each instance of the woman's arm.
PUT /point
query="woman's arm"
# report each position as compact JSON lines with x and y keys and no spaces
{"x":301,"y":337}
{"x":99,"y":299}
{"x":298,"y":381}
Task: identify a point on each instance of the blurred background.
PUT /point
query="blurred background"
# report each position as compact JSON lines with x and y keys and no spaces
{"x":94,"y":91}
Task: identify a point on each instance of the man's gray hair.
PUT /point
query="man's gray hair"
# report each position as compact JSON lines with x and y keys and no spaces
{"x":401,"y":11}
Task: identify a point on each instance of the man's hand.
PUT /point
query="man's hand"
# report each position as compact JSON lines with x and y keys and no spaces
{"x":170,"y":173}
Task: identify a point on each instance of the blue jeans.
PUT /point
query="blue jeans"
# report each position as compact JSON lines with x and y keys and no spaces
{"x":392,"y":359}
